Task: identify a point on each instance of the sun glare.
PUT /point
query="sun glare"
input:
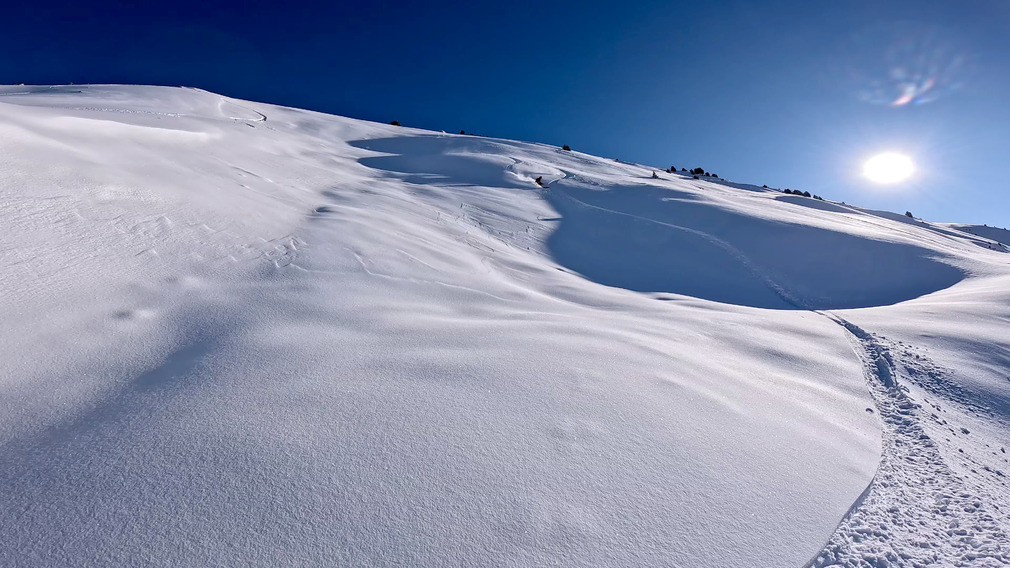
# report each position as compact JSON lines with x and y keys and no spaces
{"x":888,"y":168}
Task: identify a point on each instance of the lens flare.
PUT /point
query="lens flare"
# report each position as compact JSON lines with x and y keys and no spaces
{"x":888,"y":167}
{"x":905,"y":63}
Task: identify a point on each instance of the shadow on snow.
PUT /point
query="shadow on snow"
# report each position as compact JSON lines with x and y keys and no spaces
{"x":650,"y":238}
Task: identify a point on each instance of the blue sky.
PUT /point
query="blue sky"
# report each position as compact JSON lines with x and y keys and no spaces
{"x":789,"y":94}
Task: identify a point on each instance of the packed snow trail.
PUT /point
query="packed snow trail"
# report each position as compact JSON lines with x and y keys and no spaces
{"x":917,"y":511}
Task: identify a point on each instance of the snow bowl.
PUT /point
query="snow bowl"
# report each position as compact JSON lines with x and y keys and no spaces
{"x":628,"y":233}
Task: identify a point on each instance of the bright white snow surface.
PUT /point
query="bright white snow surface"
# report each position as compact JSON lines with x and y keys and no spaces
{"x":240,"y":334}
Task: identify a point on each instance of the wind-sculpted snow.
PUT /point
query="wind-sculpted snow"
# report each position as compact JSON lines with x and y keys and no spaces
{"x":241,"y":334}
{"x":917,"y":511}
{"x":658,"y":238}
{"x":665,"y":241}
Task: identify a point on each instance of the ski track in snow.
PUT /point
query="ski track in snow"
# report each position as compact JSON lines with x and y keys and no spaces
{"x":730,"y":249}
{"x":893,"y":523}
{"x":917,"y":511}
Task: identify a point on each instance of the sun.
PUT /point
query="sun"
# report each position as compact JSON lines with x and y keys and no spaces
{"x":889,"y":167}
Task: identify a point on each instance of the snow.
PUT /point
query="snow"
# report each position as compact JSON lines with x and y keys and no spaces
{"x":242,"y":334}
{"x":1000,"y":237}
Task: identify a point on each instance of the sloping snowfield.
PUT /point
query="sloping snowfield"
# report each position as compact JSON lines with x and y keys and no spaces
{"x":238,"y":334}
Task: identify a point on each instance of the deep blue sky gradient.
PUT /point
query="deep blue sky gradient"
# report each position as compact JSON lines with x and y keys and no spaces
{"x":765,"y":93}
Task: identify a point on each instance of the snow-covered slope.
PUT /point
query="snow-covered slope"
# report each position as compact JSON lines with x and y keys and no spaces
{"x":241,"y":334}
{"x":997,"y":235}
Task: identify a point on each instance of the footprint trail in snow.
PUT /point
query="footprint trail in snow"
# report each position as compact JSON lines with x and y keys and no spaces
{"x":917,"y":511}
